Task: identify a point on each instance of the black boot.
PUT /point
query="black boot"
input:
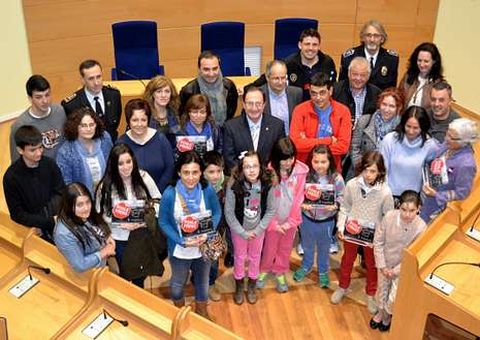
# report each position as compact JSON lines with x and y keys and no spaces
{"x":238,"y":295}
{"x":228,"y":260}
{"x":251,"y":291}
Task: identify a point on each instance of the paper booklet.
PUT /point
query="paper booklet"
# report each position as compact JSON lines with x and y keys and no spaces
{"x":126,"y":211}
{"x":188,"y":143}
{"x":359,"y":231}
{"x":435,"y":173}
{"x":319,"y":195}
{"x":196,"y":224}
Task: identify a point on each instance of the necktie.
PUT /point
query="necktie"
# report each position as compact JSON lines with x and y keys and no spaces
{"x":371,"y":63}
{"x":98,"y":107}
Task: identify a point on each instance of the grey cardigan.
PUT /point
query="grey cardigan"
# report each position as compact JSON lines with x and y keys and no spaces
{"x":363,"y":137}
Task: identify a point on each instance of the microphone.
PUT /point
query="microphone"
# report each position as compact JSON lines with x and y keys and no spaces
{"x":124,"y":323}
{"x":43,"y":269}
{"x":455,"y":262}
{"x":134,"y":77}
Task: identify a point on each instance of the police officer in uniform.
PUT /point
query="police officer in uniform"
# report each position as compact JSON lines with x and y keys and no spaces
{"x":104,"y":100}
{"x":383,"y":62}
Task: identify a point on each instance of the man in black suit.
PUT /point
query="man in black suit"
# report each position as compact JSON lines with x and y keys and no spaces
{"x":384,"y":63}
{"x":104,"y":100}
{"x":252,"y":130}
{"x":280,"y":99}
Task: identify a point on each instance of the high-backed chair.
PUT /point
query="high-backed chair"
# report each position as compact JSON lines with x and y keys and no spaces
{"x":287,"y":32}
{"x":136,"y":50}
{"x":227,"y":39}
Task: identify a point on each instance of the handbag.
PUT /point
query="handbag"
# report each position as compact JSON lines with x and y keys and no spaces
{"x":140,"y":257}
{"x":214,"y":246}
{"x":151,"y":220}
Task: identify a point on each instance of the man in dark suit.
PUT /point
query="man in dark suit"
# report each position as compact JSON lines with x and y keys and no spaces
{"x":384,"y":63}
{"x":280,"y":99}
{"x":252,"y":130}
{"x":104,"y":100}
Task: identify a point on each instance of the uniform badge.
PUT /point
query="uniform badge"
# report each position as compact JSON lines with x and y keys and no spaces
{"x":384,"y":71}
{"x":293,"y":77}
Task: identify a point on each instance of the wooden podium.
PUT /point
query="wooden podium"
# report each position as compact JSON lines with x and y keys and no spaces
{"x":443,"y":241}
{"x":64,"y":302}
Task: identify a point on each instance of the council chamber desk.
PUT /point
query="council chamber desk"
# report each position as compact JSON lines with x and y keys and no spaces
{"x":416,"y":301}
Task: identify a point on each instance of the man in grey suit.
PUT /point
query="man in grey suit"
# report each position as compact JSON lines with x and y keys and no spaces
{"x":281,"y":99}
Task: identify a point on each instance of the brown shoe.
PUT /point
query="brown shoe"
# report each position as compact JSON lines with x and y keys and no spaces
{"x":213,"y":293}
{"x":179,"y":303}
{"x":238,"y":295}
{"x":201,"y":309}
{"x":251,"y":291}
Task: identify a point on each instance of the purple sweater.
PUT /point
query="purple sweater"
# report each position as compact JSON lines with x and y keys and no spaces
{"x":461,"y":169}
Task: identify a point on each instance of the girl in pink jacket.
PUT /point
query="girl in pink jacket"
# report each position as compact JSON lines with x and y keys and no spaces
{"x":291,"y":175}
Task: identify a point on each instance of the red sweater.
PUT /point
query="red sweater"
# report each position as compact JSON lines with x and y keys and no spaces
{"x":304,"y":128}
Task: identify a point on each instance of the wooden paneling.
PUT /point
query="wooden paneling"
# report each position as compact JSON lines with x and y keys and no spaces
{"x":63,"y":33}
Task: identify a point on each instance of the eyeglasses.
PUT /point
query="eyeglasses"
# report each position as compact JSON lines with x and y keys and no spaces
{"x":372,"y":35}
{"x":254,"y":104}
{"x":251,"y":167}
{"x":88,"y":126}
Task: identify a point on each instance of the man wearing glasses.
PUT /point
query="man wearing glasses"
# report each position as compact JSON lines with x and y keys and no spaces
{"x":383,"y":62}
{"x":252,"y":130}
{"x":281,"y":99}
{"x":321,"y":120}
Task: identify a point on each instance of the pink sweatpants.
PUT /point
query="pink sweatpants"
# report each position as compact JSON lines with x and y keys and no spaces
{"x":244,"y":250}
{"x":276,"y":251}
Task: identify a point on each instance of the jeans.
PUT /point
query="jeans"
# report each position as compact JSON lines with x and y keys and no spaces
{"x":212,"y":277}
{"x":246,"y":251}
{"x":316,"y":233}
{"x":180,"y":268}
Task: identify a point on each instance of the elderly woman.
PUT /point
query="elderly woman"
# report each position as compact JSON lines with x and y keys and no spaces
{"x":83,"y":156}
{"x":162,"y":96}
{"x":371,"y":129}
{"x":151,"y":148}
{"x":198,"y":120}
{"x":454,"y":167}
{"x":424,"y":69}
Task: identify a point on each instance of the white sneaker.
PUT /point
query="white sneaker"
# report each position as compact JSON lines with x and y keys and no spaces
{"x":334,"y":248}
{"x":372,"y":305}
{"x":338,"y":295}
{"x":300,"y":249}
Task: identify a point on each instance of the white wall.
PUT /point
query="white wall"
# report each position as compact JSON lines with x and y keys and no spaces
{"x":457,"y":35}
{"x":14,"y":58}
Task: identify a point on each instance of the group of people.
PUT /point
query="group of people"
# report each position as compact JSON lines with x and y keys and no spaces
{"x":357,"y":158}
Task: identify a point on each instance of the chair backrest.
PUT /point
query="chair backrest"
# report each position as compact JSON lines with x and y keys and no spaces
{"x":287,"y":32}
{"x":227,"y":39}
{"x":136,"y":49}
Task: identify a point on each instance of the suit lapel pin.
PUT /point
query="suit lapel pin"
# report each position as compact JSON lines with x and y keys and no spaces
{"x":384,"y":71}
{"x":108,"y":103}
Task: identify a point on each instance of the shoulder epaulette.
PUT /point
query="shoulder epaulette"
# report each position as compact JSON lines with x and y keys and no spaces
{"x":348,"y":52}
{"x":392,"y":52}
{"x":70,"y":97}
{"x":109,"y":86}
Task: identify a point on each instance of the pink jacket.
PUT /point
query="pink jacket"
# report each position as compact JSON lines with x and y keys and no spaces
{"x":296,"y":182}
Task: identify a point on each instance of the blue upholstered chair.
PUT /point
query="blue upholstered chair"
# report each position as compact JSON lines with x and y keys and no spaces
{"x":136,"y":50}
{"x":227,"y":39}
{"x":287,"y":32}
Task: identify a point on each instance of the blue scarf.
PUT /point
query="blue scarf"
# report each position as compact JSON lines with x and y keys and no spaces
{"x":383,"y":127}
{"x":192,"y":131}
{"x":192,"y":198}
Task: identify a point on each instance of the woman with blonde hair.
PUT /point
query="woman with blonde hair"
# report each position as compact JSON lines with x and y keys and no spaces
{"x":162,"y":96}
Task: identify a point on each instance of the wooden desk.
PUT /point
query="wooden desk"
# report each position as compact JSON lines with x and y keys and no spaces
{"x":148,"y":316}
{"x":442,"y":242}
{"x":12,"y":236}
{"x":57,"y":298}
